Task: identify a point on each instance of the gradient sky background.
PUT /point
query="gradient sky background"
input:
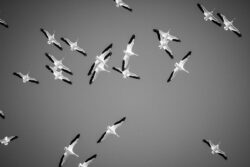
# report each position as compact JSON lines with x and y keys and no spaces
{"x":165,"y":122}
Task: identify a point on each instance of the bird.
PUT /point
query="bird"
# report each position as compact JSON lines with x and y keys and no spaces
{"x":179,"y":66}
{"x":166,"y":35}
{"x":208,"y":15}
{"x":128,"y":52}
{"x":164,"y":38}
{"x":69,"y":150}
{"x":2,"y":115}
{"x":104,"y":56}
{"x":228,"y":25}
{"x":74,"y":46}
{"x":4,"y":23}
{"x":6,"y":140}
{"x":87,"y":161}
{"x":58,"y":74}
{"x":111,"y":130}
{"x":215,"y":148}
{"x":100,"y":67}
{"x":126,"y":73}
{"x":123,"y":4}
{"x":51,"y":38}
{"x":26,"y":78}
{"x":58,"y":63}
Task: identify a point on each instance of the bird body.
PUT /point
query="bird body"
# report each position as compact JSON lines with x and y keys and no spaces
{"x":25,"y":77}
{"x":120,"y":3}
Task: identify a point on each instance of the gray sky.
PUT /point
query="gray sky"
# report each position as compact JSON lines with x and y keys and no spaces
{"x":165,"y":122}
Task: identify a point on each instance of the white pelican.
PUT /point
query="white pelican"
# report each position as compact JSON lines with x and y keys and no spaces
{"x":69,"y":150}
{"x":51,"y":39}
{"x":179,"y":66}
{"x":100,"y":67}
{"x":128,"y":52}
{"x":122,"y":4}
{"x":228,"y":25}
{"x":5,"y":141}
{"x":58,"y":63}
{"x":74,"y":46}
{"x":26,"y":78}
{"x":104,"y":57}
{"x":111,"y":130}
{"x":58,"y":74}
{"x":215,"y":148}
{"x":208,"y":15}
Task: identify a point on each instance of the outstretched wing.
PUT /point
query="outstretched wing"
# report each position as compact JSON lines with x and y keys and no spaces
{"x":117,"y":69}
{"x":50,"y":57}
{"x":223,"y":155}
{"x":202,"y":8}
{"x":45,"y":32}
{"x":169,"y":52}
{"x":91,"y":69}
{"x":133,"y":75}
{"x":93,"y":77}
{"x":33,"y":80}
{"x":120,"y":121}
{"x":235,"y":30}
{"x":63,"y":159}
{"x":157,"y":33}
{"x":4,"y":23}
{"x":49,"y":68}
{"x":18,"y":74}
{"x":13,"y":138}
{"x":186,"y":56}
{"x":125,"y":6}
{"x":82,"y":51}
{"x":170,"y":77}
{"x":58,"y":45}
{"x":74,"y":141}
{"x":90,"y":159}
{"x":66,"y":40}
{"x":107,"y":48}
{"x":207,"y":142}
{"x":103,"y":136}
{"x":2,"y":114}
{"x":222,"y":17}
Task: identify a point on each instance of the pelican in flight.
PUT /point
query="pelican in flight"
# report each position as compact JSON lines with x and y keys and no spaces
{"x":26,"y":78}
{"x":4,"y":23}
{"x":111,"y":130}
{"x":51,"y":39}
{"x":122,"y":4}
{"x":58,"y":63}
{"x":87,"y":161}
{"x":69,"y":150}
{"x":228,"y":25}
{"x":2,"y":114}
{"x":5,"y":141}
{"x":104,"y":57}
{"x":128,"y":52}
{"x":166,"y":35}
{"x":74,"y":46}
{"x":208,"y":15}
{"x":100,"y":67}
{"x":126,"y":73}
{"x":215,"y":148}
{"x":58,"y":74}
{"x":179,"y":66}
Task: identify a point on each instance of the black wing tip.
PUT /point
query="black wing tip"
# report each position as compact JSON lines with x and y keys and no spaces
{"x":15,"y":137}
{"x":36,"y":82}
{"x":217,"y":23}
{"x":238,"y":34}
{"x":5,"y":25}
{"x":91,"y":69}
{"x":135,"y":77}
{"x":176,"y":40}
{"x":107,"y":48}
{"x":68,"y":72}
{"x":224,"y":156}
{"x":67,"y":81}
{"x":170,"y":55}
{"x":59,"y":47}
{"x":129,"y":9}
{"x":132,"y":38}
{"x":220,"y":16}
